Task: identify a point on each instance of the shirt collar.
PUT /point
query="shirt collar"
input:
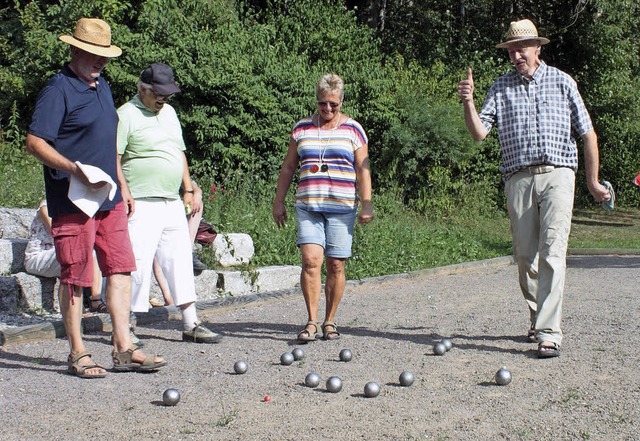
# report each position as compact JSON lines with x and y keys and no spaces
{"x":76,"y":82}
{"x":136,"y":101}
{"x":537,"y":75}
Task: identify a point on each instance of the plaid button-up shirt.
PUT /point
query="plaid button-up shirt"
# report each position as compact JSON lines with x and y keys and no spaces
{"x":536,"y":119}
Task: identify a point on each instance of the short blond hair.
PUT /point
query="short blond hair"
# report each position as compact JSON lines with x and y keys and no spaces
{"x":330,"y":83}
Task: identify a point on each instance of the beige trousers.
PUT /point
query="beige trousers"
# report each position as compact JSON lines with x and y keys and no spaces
{"x":540,"y":205}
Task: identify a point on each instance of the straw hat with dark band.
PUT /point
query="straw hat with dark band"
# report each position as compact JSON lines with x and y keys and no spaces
{"x":94,"y":36}
{"x":523,"y":30}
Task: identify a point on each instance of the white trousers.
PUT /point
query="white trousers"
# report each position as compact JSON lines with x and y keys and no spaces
{"x":159,"y":228}
{"x":540,"y":208}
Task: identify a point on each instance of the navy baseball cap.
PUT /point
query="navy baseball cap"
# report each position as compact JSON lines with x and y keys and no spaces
{"x":160,"y":76}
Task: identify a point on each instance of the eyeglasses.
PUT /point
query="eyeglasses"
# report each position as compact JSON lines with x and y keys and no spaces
{"x":333,"y":104}
{"x":161,"y":97}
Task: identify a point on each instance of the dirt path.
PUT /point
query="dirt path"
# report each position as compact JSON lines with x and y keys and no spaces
{"x":591,"y":392}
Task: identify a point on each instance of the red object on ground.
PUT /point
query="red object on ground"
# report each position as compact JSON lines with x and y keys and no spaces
{"x":266,"y":398}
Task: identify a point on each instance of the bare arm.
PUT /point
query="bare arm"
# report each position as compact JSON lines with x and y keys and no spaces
{"x":197,"y":197}
{"x":363,"y":179}
{"x":43,"y":215}
{"x":49,"y":156}
{"x":289,"y":167}
{"x":592,"y":165}
{"x":187,"y":187}
{"x":124,"y":188}
{"x":471,"y":118}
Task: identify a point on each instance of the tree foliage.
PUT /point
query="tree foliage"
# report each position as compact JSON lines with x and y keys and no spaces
{"x":248,"y":71}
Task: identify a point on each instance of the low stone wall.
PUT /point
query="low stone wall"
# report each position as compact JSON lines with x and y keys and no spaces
{"x":22,"y":291}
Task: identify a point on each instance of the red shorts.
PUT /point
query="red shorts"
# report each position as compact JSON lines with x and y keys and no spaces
{"x":75,"y":237}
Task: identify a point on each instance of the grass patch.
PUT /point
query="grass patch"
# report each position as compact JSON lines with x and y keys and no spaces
{"x":400,"y":239}
{"x":596,"y":228}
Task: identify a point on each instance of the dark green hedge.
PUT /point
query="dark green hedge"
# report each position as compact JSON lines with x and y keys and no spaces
{"x":248,"y":71}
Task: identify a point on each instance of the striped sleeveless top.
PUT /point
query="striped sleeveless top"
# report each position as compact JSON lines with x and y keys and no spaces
{"x":327,"y":172}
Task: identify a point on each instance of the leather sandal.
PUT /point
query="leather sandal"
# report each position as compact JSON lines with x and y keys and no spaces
{"x":75,"y":368}
{"x":97,"y":305}
{"x":546,"y":350}
{"x":330,"y":331}
{"x":531,"y":335}
{"x":305,"y":335}
{"x":123,"y":361}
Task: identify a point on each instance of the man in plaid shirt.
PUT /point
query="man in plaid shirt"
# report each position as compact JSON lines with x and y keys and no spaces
{"x":537,"y":109}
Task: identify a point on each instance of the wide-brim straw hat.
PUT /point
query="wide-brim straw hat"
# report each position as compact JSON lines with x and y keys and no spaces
{"x":522,"y":30}
{"x":94,"y":36}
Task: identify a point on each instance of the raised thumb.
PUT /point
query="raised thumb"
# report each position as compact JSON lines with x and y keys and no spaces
{"x":469,"y":74}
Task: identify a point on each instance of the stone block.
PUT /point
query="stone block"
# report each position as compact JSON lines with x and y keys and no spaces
{"x":8,"y":294}
{"x":23,"y":291}
{"x":274,"y":278}
{"x":16,"y":222}
{"x":206,"y":286}
{"x":12,"y":255}
{"x":36,"y":292}
{"x":234,"y":283}
{"x":233,"y":249}
{"x":264,"y":279}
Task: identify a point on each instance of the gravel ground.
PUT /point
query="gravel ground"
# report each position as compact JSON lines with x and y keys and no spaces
{"x":592,"y":391}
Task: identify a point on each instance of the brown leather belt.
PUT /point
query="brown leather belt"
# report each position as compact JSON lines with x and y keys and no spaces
{"x":538,"y":169}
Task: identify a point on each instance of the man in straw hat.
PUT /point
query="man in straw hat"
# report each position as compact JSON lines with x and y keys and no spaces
{"x":74,"y":124}
{"x":537,"y":108}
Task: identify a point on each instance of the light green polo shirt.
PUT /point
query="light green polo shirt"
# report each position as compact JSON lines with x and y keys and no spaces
{"x":151,"y":149}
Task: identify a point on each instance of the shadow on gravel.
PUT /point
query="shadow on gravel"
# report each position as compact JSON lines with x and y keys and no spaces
{"x":45,"y":364}
{"x":587,"y":262}
{"x":287,"y":332}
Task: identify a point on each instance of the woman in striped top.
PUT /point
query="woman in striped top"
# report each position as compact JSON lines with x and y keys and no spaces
{"x":330,"y":151}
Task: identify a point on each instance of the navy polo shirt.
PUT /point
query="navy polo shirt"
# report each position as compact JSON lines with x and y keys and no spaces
{"x":80,"y":122}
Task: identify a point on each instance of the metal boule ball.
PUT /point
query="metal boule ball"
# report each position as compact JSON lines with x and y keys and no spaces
{"x":240,"y":367}
{"x":312,"y":380}
{"x":298,"y":354}
{"x":286,"y":359}
{"x":334,"y":384}
{"x":346,"y":355}
{"x":503,"y":377}
{"x":371,"y":389}
{"x":171,"y":397}
{"x":448,"y":344}
{"x":439,"y":349}
{"x":407,"y":378}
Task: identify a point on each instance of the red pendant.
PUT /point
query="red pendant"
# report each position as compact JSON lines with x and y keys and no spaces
{"x":314,"y":168}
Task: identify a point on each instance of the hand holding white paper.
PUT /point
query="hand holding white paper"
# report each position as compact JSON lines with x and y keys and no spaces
{"x":90,"y":199}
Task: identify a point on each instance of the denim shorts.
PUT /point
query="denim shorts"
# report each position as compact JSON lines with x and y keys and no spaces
{"x":332,"y":231}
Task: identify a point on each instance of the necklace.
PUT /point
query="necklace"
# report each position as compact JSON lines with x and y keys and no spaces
{"x":322,"y":166}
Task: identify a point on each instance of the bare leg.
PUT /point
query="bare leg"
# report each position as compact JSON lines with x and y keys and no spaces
{"x":72,"y":319}
{"x":194,"y":221}
{"x":162,"y":282}
{"x":310,"y":279}
{"x":334,"y":287}
{"x":119,"y":304}
{"x":97,"y":304}
{"x":96,"y":288}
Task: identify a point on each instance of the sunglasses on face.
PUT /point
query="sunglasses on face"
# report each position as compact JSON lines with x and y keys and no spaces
{"x":333,"y":104}
{"x":161,"y":97}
